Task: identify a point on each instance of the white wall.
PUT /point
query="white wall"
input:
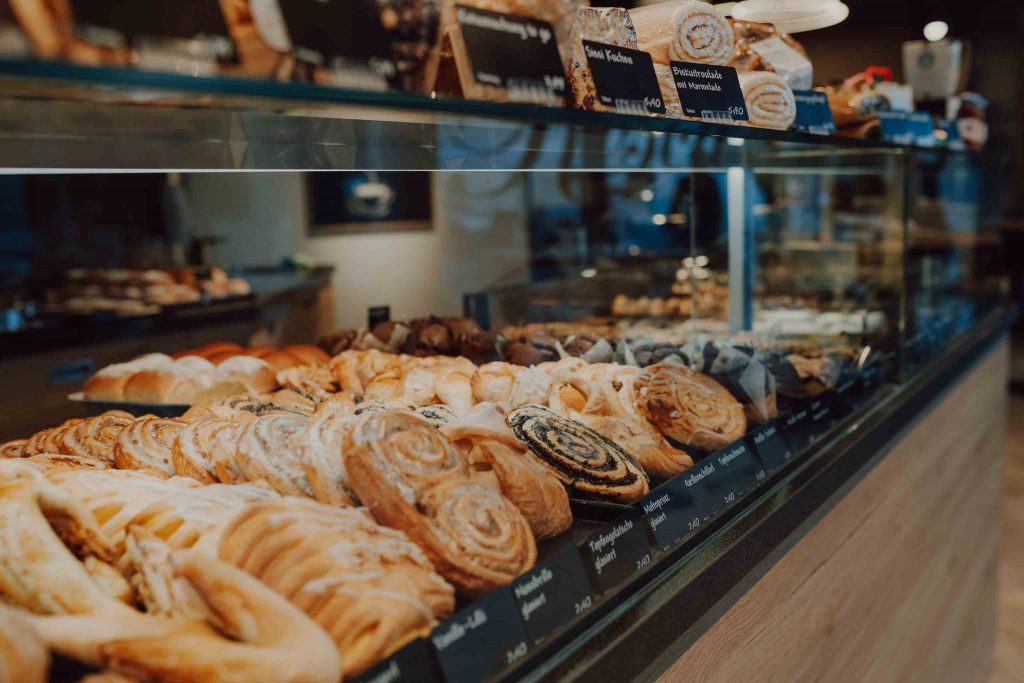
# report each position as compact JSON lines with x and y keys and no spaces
{"x":479,"y":237}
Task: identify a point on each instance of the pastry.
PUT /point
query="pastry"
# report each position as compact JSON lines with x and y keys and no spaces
{"x":282,"y":360}
{"x":108,"y":384}
{"x":23,"y":655}
{"x":770,"y":102}
{"x":95,"y":437}
{"x":641,"y":439}
{"x":191,"y":451}
{"x":690,"y":407}
{"x":490,"y":446}
{"x":35,"y":444}
{"x":683,"y":31}
{"x":146,"y":445}
{"x":46,"y":461}
{"x":578,"y":456}
{"x":354,"y":369}
{"x":309,"y":355}
{"x":437,"y":415}
{"x":312,"y":381}
{"x":54,"y":438}
{"x":321,"y":447}
{"x":367,"y":586}
{"x":13,"y":449}
{"x":268,"y":450}
{"x":391,"y":450}
{"x":493,"y":382}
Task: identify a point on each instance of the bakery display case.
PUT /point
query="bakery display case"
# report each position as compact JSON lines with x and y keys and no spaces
{"x":607,"y":373}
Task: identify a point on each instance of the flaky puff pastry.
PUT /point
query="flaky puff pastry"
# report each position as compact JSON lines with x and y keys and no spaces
{"x":367,"y":585}
{"x":690,"y":407}
{"x":414,"y":479}
{"x":249,"y":633}
{"x":23,"y":655}
{"x":490,"y":445}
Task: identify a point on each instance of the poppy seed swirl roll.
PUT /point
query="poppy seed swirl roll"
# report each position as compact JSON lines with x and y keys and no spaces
{"x":581,"y":458}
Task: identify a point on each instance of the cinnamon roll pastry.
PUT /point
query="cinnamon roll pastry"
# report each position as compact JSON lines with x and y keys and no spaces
{"x":147,"y":445}
{"x":194,"y":450}
{"x":220,"y":445}
{"x":475,"y":538}
{"x":96,"y":436}
{"x":23,"y":655}
{"x":353,"y":369}
{"x":770,"y":101}
{"x":366,"y":585}
{"x":379,"y":406}
{"x":489,"y":444}
{"x":578,"y":456}
{"x":36,"y":443}
{"x":321,"y":448}
{"x":269,"y":450}
{"x":342,"y":403}
{"x":684,"y":31}
{"x":690,"y":407}
{"x":13,"y":449}
{"x":249,"y":406}
{"x":398,"y":454}
{"x":51,"y":443}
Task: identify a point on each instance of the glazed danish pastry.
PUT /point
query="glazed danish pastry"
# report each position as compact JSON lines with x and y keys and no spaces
{"x":690,"y":407}
{"x":96,"y":436}
{"x":321,"y":448}
{"x":580,"y":457}
{"x":268,"y":450}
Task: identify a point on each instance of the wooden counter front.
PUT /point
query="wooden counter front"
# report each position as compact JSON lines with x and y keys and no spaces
{"x":897,"y":582}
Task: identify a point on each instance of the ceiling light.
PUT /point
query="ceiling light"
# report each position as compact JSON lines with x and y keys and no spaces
{"x":647,"y":195}
{"x":792,"y":16}
{"x":936,"y":30}
{"x":588,"y":273}
{"x":659,"y":219}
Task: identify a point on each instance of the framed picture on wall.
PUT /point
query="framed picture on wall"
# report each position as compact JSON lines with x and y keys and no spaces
{"x":351,"y":202}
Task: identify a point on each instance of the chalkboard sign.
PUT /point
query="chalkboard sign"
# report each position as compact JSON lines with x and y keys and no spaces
{"x":671,"y":513}
{"x":708,"y":92}
{"x":481,"y":640}
{"x":414,"y":663}
{"x":624,"y":78}
{"x":795,"y":429}
{"x":617,"y":551}
{"x":737,"y":471}
{"x":769,"y":445}
{"x":323,"y":31}
{"x":511,"y":50}
{"x":350,"y":202}
{"x":553,"y":593}
{"x":192,"y":29}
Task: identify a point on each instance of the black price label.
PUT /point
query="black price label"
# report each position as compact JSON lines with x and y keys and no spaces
{"x":553,"y":593}
{"x":908,"y":128}
{"x":697,"y":481}
{"x":618,"y":551}
{"x":376,"y":315}
{"x":795,"y":429}
{"x":337,"y":34}
{"x":846,"y":396}
{"x":770,"y":447}
{"x":711,"y":93}
{"x":193,"y":29}
{"x":813,"y":114}
{"x":412,"y":664}
{"x":737,"y":471}
{"x":822,"y":410}
{"x":671,"y":513}
{"x":624,"y":78}
{"x":512,"y":51}
{"x":870,"y":378}
{"x":481,"y":640}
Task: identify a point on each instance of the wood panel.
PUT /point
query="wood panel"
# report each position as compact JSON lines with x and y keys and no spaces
{"x":898,"y":581}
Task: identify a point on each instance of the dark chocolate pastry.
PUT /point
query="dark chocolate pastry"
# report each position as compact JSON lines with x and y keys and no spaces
{"x":480,"y":347}
{"x":461,"y":326}
{"x":578,"y":456}
{"x":529,"y":353}
{"x":384,"y":330}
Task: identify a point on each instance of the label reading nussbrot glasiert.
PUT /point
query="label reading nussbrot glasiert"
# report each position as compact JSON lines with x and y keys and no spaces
{"x":511,"y":50}
{"x":711,"y":93}
{"x":624,"y":78}
{"x":617,"y":551}
{"x":481,"y":640}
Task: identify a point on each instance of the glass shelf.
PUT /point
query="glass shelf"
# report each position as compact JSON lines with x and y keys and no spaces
{"x":61,"y":117}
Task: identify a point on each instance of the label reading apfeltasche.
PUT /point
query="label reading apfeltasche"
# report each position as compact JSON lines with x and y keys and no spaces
{"x":617,"y":551}
{"x":553,"y":593}
{"x":671,"y":513}
{"x":770,"y":446}
{"x":482,"y":640}
{"x":511,"y":50}
{"x":710,"y":93}
{"x":412,"y":664}
{"x":813,"y":113}
{"x":624,"y":78}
